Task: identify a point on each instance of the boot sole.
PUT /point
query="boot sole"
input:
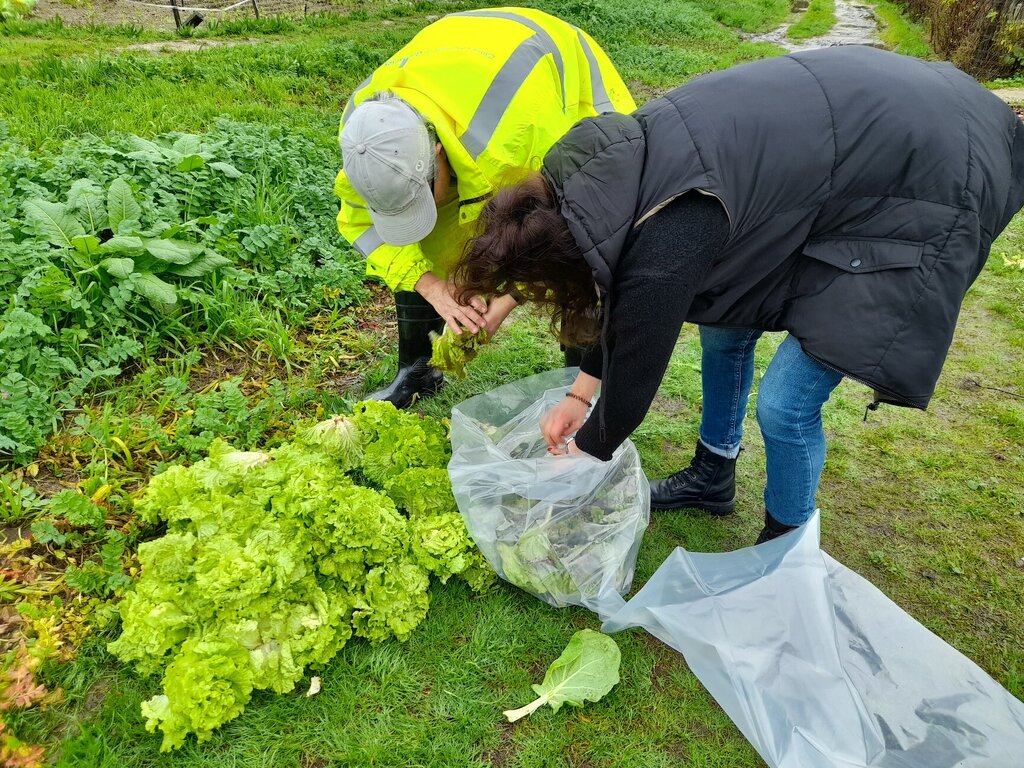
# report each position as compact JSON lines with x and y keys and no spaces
{"x":716,"y":508}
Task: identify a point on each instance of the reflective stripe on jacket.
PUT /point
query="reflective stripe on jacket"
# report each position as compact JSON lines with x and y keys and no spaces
{"x":499,"y":86}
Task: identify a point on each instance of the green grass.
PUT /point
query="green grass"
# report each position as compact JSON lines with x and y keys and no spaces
{"x":302,"y":74}
{"x":900,"y":33}
{"x":925,"y":505}
{"x":1017,"y":81}
{"x":818,"y":19}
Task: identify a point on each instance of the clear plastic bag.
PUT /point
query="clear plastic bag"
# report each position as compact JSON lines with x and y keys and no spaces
{"x":817,"y":667}
{"x":564,"y":528}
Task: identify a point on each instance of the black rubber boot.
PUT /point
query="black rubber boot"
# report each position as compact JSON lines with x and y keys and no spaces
{"x":416,"y":378}
{"x":709,"y":483}
{"x":772,"y":529}
{"x":574,"y":355}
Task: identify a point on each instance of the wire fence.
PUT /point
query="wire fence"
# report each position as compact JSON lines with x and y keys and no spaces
{"x":195,"y":12}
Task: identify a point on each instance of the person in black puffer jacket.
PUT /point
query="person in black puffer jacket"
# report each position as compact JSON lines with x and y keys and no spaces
{"x":848,"y":196}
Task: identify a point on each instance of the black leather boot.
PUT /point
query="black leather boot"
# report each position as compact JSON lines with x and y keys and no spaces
{"x":772,"y":529}
{"x":709,"y":483}
{"x":416,"y":378}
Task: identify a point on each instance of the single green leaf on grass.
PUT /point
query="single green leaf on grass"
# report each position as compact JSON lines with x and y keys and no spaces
{"x":160,"y":293}
{"x":173,"y":251}
{"x":121,"y":204}
{"x":205,"y":264}
{"x":116,"y":267}
{"x":190,"y":163}
{"x":587,"y":670}
{"x":87,"y":198}
{"x":53,"y":221}
{"x":124,"y":244}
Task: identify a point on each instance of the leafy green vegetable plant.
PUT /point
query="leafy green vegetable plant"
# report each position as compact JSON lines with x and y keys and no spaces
{"x":273,"y":560}
{"x":105,"y":241}
{"x":586,"y":671}
{"x":452,"y":352}
{"x":114,"y":249}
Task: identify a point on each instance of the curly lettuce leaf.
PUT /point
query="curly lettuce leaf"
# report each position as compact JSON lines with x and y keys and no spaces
{"x":272,"y":561}
{"x":586,"y":671}
{"x":479,"y":575}
{"x":393,"y":602}
{"x":208,"y":683}
{"x":357,"y":529}
{"x":422,"y":491}
{"x":452,"y":352}
{"x":339,"y":437}
{"x":441,"y":544}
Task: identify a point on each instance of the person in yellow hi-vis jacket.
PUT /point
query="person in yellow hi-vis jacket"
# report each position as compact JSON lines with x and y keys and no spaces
{"x":473,"y":101}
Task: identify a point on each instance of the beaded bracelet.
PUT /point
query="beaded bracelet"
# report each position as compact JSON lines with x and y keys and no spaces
{"x":582,"y":399}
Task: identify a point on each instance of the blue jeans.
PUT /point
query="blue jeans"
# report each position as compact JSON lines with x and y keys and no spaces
{"x":789,"y":401}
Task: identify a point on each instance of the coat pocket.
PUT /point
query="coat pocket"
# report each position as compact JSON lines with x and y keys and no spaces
{"x":865,"y":254}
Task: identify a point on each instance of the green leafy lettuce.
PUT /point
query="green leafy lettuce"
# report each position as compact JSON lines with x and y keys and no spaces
{"x":452,"y":352}
{"x":586,"y":671}
{"x":272,"y":561}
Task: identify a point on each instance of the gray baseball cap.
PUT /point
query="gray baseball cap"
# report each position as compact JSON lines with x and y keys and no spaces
{"x":388,"y":156}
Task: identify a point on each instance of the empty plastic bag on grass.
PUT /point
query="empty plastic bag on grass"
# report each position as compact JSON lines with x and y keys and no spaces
{"x":564,"y":528}
{"x":818,"y":668}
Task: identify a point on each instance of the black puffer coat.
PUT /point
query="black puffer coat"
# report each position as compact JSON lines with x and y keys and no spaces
{"x":863,"y":188}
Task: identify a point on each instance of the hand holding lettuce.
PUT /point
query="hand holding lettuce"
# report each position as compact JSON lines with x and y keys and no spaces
{"x":454,"y":351}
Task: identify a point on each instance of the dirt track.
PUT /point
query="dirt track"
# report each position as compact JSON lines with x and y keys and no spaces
{"x":111,"y":12}
{"x":108,"y":12}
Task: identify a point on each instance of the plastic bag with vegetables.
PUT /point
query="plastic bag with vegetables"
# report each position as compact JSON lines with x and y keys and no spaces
{"x":564,"y":528}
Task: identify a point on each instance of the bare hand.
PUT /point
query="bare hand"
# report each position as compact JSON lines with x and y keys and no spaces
{"x":440,"y":294}
{"x":563,"y":420}
{"x":497,"y":311}
{"x":568,"y":449}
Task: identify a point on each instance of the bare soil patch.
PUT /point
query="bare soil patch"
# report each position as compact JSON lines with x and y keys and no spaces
{"x":1013,"y":96}
{"x":161,"y":19}
{"x":185,"y":46}
{"x":107,"y":13}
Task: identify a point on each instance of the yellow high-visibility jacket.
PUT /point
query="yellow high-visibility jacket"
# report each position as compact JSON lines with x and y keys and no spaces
{"x":500,"y":86}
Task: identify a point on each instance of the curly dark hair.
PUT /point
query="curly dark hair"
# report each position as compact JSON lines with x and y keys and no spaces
{"x":525,"y":244}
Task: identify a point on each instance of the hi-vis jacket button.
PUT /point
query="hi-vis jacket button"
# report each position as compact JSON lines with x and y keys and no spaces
{"x":855,"y":263}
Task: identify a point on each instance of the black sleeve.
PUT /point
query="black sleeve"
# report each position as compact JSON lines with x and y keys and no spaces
{"x":652,"y":289}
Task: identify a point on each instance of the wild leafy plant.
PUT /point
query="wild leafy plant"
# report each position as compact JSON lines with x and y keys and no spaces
{"x":114,"y":248}
{"x":102,"y":237}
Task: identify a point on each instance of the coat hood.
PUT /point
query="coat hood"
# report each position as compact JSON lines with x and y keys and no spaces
{"x":595,"y":171}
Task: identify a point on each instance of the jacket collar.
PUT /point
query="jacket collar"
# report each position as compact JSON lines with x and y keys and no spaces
{"x":595,"y":171}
